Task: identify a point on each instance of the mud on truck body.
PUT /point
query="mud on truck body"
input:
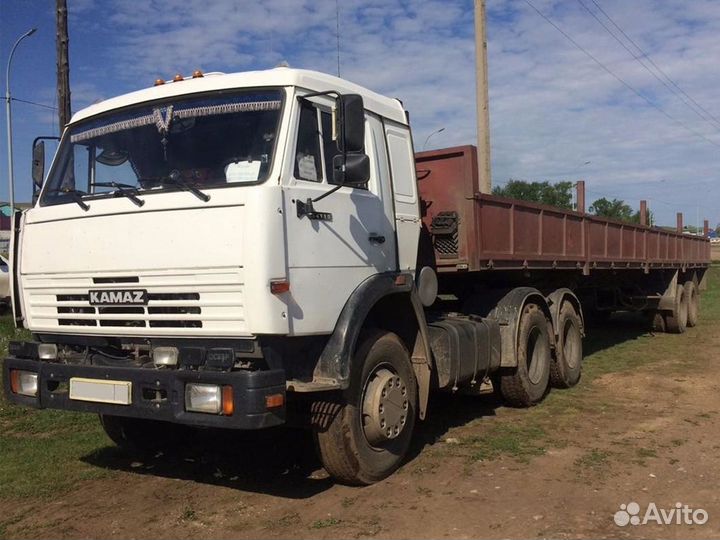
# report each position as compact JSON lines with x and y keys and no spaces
{"x":219,"y":250}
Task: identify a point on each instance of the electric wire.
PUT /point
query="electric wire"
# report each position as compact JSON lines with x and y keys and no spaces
{"x":639,"y":59}
{"x":619,"y":79}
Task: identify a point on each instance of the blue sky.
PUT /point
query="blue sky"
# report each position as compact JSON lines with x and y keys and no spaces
{"x":552,"y":107}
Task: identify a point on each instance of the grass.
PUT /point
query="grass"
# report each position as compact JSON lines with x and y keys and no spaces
{"x":518,"y":441}
{"x":325,"y":523}
{"x":524,"y":434}
{"x":42,"y":450}
{"x":594,"y":459}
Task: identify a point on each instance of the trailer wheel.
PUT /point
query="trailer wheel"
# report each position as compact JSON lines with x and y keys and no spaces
{"x":140,"y":436}
{"x":527,"y":383}
{"x":676,"y":321}
{"x":656,"y":320}
{"x":566,"y":366}
{"x":692,"y":296}
{"x":369,"y":435}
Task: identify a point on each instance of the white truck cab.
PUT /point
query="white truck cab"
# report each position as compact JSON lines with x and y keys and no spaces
{"x":204,"y":247}
{"x":190,"y":190}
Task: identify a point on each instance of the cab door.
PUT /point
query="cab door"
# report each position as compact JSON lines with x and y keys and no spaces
{"x":352,"y":235}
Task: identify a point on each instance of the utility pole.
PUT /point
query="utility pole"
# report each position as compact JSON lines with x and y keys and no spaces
{"x":63,"y":64}
{"x":481,"y":88}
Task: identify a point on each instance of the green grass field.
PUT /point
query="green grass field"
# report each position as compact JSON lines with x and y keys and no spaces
{"x":41,"y":452}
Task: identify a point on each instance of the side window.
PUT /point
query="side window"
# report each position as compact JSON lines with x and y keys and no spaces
{"x":330,"y":149}
{"x":308,"y":164}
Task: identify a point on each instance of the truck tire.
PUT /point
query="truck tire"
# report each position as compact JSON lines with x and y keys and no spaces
{"x":140,"y":436}
{"x":692,"y":295}
{"x":566,"y":365}
{"x":369,"y":434}
{"x":527,"y":383}
{"x":676,"y":320}
{"x":656,"y":320}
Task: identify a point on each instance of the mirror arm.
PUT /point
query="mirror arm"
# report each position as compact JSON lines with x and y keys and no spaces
{"x":329,"y":192}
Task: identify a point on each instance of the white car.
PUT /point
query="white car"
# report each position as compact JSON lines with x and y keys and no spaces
{"x":4,"y":282}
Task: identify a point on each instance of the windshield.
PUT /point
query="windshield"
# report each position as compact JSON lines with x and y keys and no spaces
{"x":190,"y":143}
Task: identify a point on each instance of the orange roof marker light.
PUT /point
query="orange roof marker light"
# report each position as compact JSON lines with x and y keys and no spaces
{"x":197,"y":74}
{"x":177,"y":78}
{"x":159,"y":82}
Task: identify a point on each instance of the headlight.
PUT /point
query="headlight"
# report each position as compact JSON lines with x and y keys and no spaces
{"x":165,"y":356}
{"x":47,"y":351}
{"x":23,"y":382}
{"x":209,"y":398}
{"x":205,"y":398}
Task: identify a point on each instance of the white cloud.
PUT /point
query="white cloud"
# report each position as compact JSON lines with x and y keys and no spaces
{"x":552,"y":108}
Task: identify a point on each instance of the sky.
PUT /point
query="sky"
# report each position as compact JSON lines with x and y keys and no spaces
{"x":567,"y":102}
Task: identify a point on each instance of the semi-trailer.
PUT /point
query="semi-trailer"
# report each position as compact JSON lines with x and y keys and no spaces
{"x":219,"y":250}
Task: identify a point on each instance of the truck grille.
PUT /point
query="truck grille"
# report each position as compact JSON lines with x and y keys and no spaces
{"x":187,"y":303}
{"x":132,"y":316}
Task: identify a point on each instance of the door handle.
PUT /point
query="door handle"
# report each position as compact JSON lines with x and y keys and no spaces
{"x":376,"y":238}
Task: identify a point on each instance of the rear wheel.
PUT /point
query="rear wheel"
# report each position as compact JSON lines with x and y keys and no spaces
{"x":692,"y":295}
{"x":370,"y":431}
{"x":676,"y":320}
{"x":567,"y":364}
{"x":527,"y":383}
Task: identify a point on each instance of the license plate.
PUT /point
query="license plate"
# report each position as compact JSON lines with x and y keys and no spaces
{"x":101,"y":391}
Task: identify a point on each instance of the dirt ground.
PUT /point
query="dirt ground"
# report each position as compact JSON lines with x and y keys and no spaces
{"x":645,"y":433}
{"x":715,"y":253}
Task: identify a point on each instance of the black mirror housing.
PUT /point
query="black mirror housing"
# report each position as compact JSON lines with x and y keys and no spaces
{"x":352,"y":170}
{"x":351,"y":120}
{"x":38,"y":163}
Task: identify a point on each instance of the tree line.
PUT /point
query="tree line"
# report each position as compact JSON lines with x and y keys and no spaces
{"x":560,"y":195}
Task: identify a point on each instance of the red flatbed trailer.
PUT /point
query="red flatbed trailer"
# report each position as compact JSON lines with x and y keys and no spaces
{"x":476,"y":232}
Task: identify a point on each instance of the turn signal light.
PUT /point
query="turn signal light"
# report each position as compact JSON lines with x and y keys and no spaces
{"x":274,"y":400}
{"x":279,"y":286}
{"x":228,"y":405}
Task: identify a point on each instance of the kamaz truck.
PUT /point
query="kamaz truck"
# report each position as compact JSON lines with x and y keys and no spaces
{"x":220,"y":250}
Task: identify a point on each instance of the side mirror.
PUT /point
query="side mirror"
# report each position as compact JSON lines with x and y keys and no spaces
{"x":38,"y":164}
{"x":351,"y":170}
{"x":351,"y":123}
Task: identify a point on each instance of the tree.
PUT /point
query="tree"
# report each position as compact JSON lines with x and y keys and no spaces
{"x":615,"y":209}
{"x":618,"y":209}
{"x":558,"y":194}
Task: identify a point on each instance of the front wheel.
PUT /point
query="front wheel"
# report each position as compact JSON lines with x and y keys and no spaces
{"x":141,"y":436}
{"x":369,"y":433}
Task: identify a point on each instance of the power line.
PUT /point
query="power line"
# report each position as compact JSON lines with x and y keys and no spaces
{"x":639,"y":58}
{"x":618,"y":78}
{"x":34,"y":103}
{"x":646,"y":55}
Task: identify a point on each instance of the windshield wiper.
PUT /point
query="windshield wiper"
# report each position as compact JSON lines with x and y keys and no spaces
{"x":176,"y":180}
{"x":75,"y":195}
{"x":124,"y":190}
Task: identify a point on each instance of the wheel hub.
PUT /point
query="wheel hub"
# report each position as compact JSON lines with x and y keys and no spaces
{"x":385,"y":406}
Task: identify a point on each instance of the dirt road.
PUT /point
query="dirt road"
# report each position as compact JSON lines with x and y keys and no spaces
{"x":643,"y":426}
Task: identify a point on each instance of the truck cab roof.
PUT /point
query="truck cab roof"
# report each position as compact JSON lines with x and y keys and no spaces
{"x":278,"y":77}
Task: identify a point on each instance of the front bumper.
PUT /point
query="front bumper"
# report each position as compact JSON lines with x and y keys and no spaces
{"x":157,"y":394}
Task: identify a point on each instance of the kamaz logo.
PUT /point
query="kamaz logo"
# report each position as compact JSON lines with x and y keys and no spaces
{"x":132,"y":297}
